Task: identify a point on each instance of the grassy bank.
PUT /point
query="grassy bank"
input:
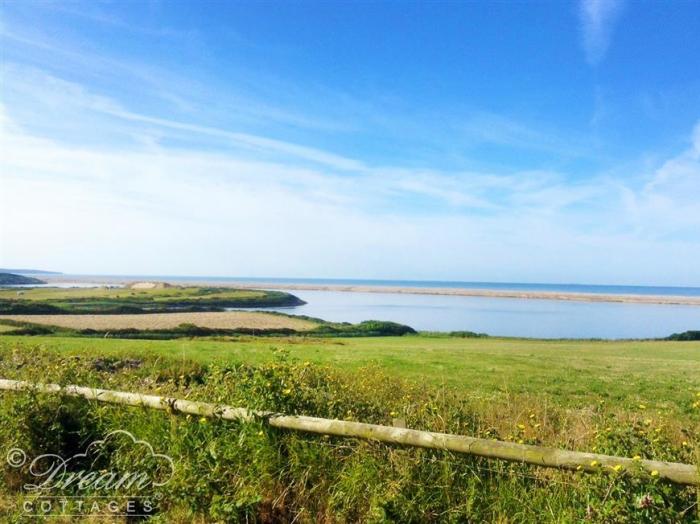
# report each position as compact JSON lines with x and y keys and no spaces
{"x":168,"y":326}
{"x":623,"y":398}
{"x":104,"y":300}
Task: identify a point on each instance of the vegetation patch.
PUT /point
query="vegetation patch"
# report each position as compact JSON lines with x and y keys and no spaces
{"x":685,"y":336}
{"x":109,"y":300}
{"x":276,"y":325}
{"x":235,"y":471}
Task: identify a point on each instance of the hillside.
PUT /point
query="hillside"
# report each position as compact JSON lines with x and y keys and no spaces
{"x":11,"y":279}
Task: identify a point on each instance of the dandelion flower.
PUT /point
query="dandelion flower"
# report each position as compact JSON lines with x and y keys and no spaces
{"x":636,"y":457}
{"x":617,"y":468}
{"x":642,"y":406}
{"x":654,"y":473}
{"x":521,"y":426}
{"x":203,"y":420}
{"x":594,"y":463}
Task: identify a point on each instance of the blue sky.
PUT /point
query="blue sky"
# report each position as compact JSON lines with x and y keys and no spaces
{"x":528,"y":141}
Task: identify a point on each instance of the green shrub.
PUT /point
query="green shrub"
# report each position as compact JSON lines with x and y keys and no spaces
{"x":685,"y":336}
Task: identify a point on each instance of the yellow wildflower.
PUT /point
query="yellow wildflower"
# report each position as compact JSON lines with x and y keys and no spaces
{"x":594,"y":463}
{"x":654,"y":473}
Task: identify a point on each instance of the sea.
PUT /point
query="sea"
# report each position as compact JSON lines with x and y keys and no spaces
{"x":496,"y":316}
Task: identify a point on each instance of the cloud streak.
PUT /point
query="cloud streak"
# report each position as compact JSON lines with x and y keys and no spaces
{"x":598,"y":19}
{"x":173,"y":206}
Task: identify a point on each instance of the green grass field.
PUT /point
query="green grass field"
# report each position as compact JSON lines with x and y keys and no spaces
{"x":631,"y":398}
{"x":658,"y":373}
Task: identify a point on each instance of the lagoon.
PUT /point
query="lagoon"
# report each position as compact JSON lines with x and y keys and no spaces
{"x":537,"y":318}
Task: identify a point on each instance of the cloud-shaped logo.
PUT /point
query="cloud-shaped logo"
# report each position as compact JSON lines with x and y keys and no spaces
{"x":82,"y":471}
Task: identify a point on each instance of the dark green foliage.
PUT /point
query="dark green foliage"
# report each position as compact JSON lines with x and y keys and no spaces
{"x":685,"y":336}
{"x":368,"y":328}
{"x":467,"y":334}
{"x":28,"y":307}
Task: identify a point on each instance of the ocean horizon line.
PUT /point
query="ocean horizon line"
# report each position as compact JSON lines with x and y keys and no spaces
{"x":411,"y":283}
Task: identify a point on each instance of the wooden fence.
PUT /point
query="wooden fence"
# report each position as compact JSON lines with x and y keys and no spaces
{"x":685,"y":474}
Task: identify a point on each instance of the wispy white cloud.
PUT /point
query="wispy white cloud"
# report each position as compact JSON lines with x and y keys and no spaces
{"x":490,"y":128}
{"x":598,"y":19}
{"x":224,"y":208}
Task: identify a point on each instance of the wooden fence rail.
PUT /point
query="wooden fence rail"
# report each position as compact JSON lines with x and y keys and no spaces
{"x":685,"y":474}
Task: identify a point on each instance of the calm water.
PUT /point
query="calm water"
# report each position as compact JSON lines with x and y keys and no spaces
{"x":495,"y":316}
{"x":502,"y":316}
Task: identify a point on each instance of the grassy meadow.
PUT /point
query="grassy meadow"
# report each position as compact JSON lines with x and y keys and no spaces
{"x":654,"y":372}
{"x":119,"y":300}
{"x":629,"y":398}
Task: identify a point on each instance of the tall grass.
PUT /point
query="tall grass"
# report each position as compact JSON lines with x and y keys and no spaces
{"x":233,"y":472}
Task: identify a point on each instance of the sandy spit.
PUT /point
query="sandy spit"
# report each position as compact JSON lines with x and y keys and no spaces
{"x":541,"y":295}
{"x":464,"y":292}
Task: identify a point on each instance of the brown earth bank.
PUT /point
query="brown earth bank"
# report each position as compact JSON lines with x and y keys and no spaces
{"x":213,"y":320}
